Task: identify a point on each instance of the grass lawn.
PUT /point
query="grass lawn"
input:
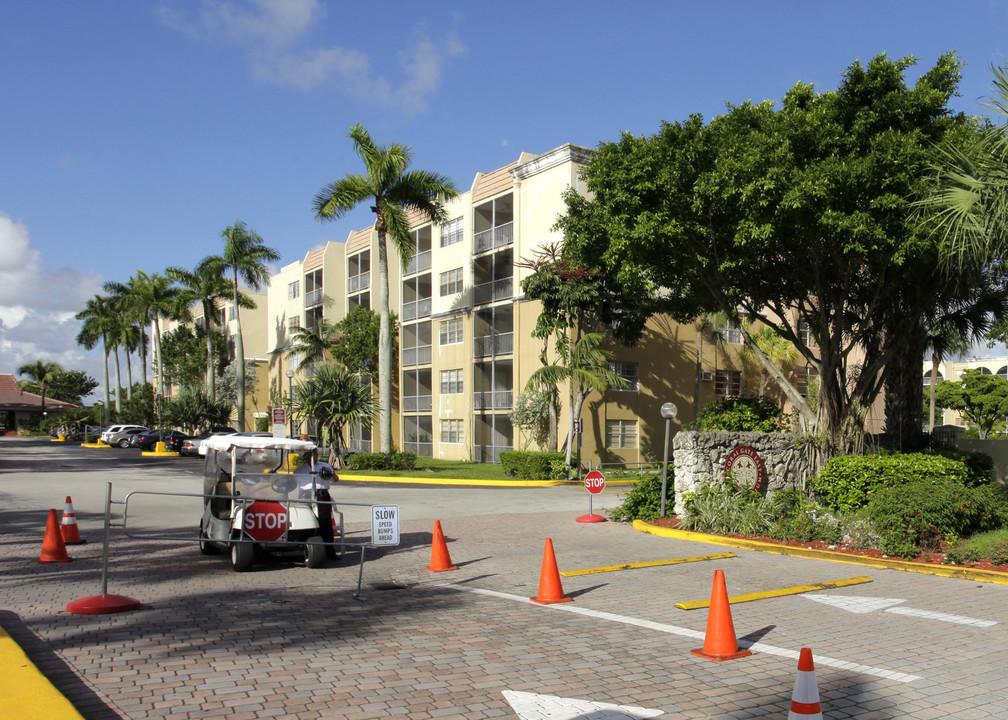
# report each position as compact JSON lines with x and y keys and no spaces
{"x":432,"y":468}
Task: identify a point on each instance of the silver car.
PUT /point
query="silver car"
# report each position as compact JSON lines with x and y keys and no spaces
{"x":121,"y":437}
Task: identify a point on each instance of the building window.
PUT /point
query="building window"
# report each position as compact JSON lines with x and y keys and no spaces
{"x":451,"y":382}
{"x":451,"y":431}
{"x":805,"y":333}
{"x":451,"y":331}
{"x":621,"y":433}
{"x":627,"y":371}
{"x":293,"y":290}
{"x":805,"y":376}
{"x":728,"y":382}
{"x":294,"y":322}
{"x":731,"y":333}
{"x":451,"y":282}
{"x":451,"y":232}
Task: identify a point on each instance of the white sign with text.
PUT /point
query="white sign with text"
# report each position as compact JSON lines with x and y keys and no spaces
{"x":384,"y":524}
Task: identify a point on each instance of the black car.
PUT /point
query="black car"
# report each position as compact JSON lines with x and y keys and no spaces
{"x":146,"y":441}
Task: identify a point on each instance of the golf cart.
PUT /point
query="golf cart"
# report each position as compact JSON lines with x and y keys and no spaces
{"x":252,"y":499}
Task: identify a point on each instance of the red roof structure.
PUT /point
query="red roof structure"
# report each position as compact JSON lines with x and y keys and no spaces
{"x":14,"y":398}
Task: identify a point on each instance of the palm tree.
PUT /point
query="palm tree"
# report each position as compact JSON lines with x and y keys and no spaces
{"x":41,"y":373}
{"x":207,"y":285}
{"x":584,"y":365}
{"x":98,"y":317}
{"x":313,"y":343}
{"x":335,"y":397}
{"x":392,"y":191}
{"x":245,"y":255}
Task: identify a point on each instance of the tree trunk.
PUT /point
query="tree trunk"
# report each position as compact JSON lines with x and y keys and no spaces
{"x":105,"y":408}
{"x":118,"y":399}
{"x":240,"y":352}
{"x":159,"y":398}
{"x":384,"y":348}
{"x":904,"y":398}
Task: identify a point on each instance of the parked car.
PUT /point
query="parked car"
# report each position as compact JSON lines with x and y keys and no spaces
{"x":122,"y":438}
{"x":146,"y":441}
{"x":111,"y":430}
{"x":190,"y":446}
{"x":173,"y":443}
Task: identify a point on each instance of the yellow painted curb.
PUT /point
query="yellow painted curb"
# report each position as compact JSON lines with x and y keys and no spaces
{"x":450,"y":481}
{"x":154,"y":453}
{"x":648,"y":563}
{"x":991,"y":576}
{"x":27,"y":693}
{"x":779,"y":592}
{"x":95,"y":445}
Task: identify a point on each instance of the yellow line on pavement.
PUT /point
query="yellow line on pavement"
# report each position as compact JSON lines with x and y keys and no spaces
{"x":796,"y":590}
{"x":649,"y":563}
{"x":26,"y":693}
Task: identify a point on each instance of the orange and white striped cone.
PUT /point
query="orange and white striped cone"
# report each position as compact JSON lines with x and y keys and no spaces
{"x":68,"y":527}
{"x":805,"y":698}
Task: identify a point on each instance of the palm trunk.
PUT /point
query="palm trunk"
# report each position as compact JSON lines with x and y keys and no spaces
{"x":159,"y":398}
{"x":240,"y":352}
{"x":118,"y":373}
{"x":105,"y":408}
{"x":129,"y":377}
{"x":384,"y":348}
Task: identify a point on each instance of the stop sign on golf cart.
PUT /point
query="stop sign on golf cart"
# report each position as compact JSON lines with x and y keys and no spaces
{"x":265,"y":521}
{"x":594,"y":482}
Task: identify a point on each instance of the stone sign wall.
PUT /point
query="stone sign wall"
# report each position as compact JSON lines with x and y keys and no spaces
{"x":699,"y":459}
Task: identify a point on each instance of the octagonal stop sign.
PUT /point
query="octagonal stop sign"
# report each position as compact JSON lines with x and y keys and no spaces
{"x":594,"y":482}
{"x":265,"y":521}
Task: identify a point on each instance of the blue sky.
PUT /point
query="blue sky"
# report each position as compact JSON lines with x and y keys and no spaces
{"x":133,"y":133}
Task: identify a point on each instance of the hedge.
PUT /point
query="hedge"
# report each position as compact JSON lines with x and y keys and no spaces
{"x":382,"y":461}
{"x":529,"y":465}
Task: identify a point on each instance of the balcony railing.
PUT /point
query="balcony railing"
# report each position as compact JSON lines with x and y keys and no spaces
{"x":416,"y":403}
{"x":493,"y":291}
{"x":488,"y":453}
{"x":416,"y":356}
{"x":492,"y":400}
{"x":418,"y":263}
{"x":416,"y":309}
{"x":313,"y":297}
{"x":493,"y":238}
{"x":359,"y":282}
{"x":491,"y":345}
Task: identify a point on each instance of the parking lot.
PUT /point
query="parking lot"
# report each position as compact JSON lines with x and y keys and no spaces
{"x":286,"y":641}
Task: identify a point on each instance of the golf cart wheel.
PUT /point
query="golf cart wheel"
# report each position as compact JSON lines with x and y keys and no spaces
{"x":242,"y":555}
{"x":206,"y":547}
{"x":314,"y":552}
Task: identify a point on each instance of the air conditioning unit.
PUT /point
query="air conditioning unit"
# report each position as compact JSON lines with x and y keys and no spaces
{"x":708,"y":376}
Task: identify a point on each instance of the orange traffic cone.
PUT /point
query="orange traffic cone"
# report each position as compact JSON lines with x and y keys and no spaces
{"x":550,"y":590}
{"x":53,"y":549}
{"x":68,"y":527}
{"x":805,"y":698}
{"x":719,"y":642}
{"x":440,"y":560}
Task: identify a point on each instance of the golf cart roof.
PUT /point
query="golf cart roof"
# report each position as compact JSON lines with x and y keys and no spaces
{"x":226,"y":442}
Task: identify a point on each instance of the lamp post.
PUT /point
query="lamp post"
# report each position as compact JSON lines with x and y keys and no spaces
{"x":290,"y":398}
{"x":668,"y":411}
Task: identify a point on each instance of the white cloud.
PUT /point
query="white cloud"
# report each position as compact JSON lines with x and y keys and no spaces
{"x":38,"y":304}
{"x":274,"y":35}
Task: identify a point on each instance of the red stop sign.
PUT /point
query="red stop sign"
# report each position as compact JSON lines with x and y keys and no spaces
{"x":594,"y":482}
{"x":265,"y":521}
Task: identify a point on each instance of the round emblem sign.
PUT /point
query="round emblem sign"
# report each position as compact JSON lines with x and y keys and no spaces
{"x":746,"y":466}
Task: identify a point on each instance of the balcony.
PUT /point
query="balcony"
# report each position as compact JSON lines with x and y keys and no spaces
{"x":491,"y":345}
{"x":493,"y":238}
{"x":492,"y":400}
{"x":313,"y":297}
{"x":414,"y":356}
{"x":416,"y":309}
{"x":493,"y":291}
{"x":416,"y":403}
{"x":418,"y":263}
{"x":359,"y":282}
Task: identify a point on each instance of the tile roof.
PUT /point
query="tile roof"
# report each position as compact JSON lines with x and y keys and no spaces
{"x":13,"y":398}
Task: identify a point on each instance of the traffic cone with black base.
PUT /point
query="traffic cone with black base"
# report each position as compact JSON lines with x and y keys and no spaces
{"x":53,"y":549}
{"x":550,"y":590}
{"x":805,"y":698}
{"x":68,"y":527}
{"x":440,"y":560}
{"x":719,"y":642}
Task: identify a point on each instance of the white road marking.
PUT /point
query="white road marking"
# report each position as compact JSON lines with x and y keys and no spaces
{"x":942,"y":617}
{"x":854,"y":603}
{"x":820,"y":660}
{"x":533,"y":706}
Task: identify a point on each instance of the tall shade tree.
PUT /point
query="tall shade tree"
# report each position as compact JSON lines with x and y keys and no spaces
{"x":42,"y":373}
{"x":392,"y":190}
{"x":245,"y":256}
{"x":206,"y":285}
{"x":98,"y":318}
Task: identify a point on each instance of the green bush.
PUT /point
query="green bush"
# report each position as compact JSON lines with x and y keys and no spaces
{"x":742,"y":414}
{"x":530,"y":465}
{"x":980,"y":466}
{"x":921,"y":514}
{"x":847,"y":482}
{"x":643,"y":502}
{"x":382,"y":461}
{"x":727,"y":509}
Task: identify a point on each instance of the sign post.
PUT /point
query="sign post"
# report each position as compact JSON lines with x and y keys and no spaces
{"x":279,"y":422}
{"x":594,"y":483}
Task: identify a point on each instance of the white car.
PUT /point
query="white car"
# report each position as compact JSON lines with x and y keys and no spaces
{"x":107,"y":434}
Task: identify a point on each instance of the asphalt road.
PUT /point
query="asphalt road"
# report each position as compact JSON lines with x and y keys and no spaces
{"x":286,"y":641}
